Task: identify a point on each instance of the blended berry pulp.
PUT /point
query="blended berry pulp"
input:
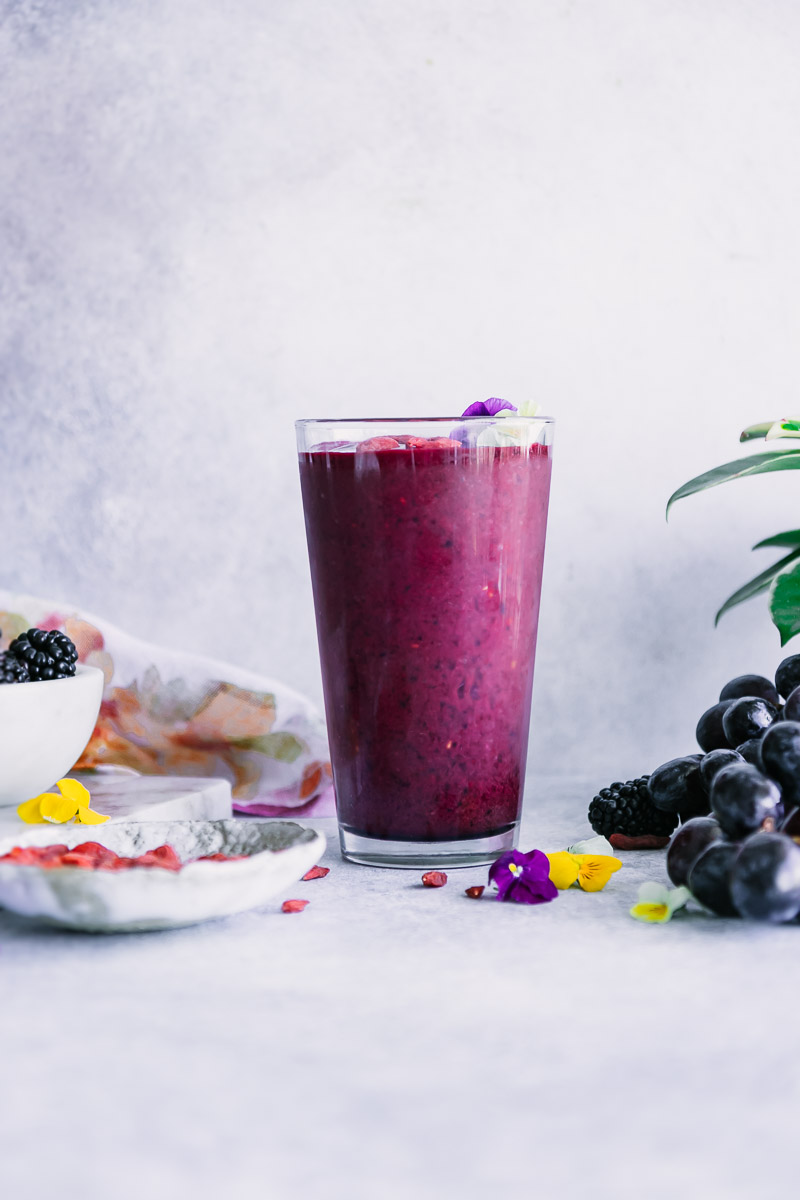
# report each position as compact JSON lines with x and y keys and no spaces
{"x":426,"y":565}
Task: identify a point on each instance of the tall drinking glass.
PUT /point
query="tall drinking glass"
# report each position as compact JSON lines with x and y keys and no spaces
{"x":426,"y":540}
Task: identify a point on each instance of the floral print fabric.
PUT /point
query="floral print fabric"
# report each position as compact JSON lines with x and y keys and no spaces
{"x":168,"y":713}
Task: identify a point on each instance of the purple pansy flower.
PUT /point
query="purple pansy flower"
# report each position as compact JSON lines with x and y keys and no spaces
{"x":523,"y":878}
{"x":488,"y":408}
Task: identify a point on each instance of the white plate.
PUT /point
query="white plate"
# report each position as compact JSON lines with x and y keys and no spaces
{"x":279,"y":853}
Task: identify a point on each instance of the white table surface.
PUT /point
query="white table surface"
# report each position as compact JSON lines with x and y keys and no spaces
{"x":394,"y":1040}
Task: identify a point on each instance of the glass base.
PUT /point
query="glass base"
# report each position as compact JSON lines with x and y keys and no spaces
{"x":465,"y":852}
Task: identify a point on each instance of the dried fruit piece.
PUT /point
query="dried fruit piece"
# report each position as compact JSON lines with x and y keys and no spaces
{"x":92,"y":856}
{"x":47,"y":854}
{"x":222,"y":858}
{"x":293,"y":905}
{"x":434,"y":879}
{"x":474,"y":893}
{"x":646,"y":841}
{"x":101,"y":856}
{"x":71,"y":859}
{"x":317,"y":873}
{"x":378,"y":443}
{"x":122,"y":864}
{"x":166,"y":857}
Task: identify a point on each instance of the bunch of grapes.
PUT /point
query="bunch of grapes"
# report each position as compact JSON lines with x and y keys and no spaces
{"x":738,"y":802}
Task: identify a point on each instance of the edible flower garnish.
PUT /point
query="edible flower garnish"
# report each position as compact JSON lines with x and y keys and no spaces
{"x":488,"y":408}
{"x":523,"y":878}
{"x":590,"y":871}
{"x":74,"y":801}
{"x":592,"y":845}
{"x":657,"y":903}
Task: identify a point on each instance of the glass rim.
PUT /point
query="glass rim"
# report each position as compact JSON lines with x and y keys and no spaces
{"x":512,"y":416}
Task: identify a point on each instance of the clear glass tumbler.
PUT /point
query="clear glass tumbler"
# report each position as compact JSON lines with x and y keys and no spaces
{"x":426,"y":541}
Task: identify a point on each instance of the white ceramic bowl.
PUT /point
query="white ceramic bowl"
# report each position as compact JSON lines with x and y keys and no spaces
{"x":277,"y":853}
{"x":44,"y":727}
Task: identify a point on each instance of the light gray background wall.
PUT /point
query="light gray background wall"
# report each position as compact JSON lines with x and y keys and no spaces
{"x":218,"y":217}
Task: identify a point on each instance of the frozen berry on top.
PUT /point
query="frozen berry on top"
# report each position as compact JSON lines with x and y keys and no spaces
{"x":378,"y":443}
{"x":46,"y":653}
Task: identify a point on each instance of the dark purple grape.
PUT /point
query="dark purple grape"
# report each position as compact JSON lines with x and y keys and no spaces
{"x":676,"y":786}
{"x":780,"y":754}
{"x":710,"y":878}
{"x":747,"y":718}
{"x":750,"y":685}
{"x":709,"y":733}
{"x":714,"y":761}
{"x":787,"y":676}
{"x":791,"y":709}
{"x":687,"y":844}
{"x":750,"y":751}
{"x":791,"y":823}
{"x":742,"y":799}
{"x":765,"y":880}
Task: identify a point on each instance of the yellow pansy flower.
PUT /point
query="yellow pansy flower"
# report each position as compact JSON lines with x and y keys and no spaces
{"x":564,"y":869}
{"x":596,"y":870}
{"x":74,"y":801}
{"x":591,"y":871}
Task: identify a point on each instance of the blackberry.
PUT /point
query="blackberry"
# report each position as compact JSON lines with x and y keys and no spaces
{"x":46,"y":653}
{"x":627,"y":808}
{"x":12,"y":670}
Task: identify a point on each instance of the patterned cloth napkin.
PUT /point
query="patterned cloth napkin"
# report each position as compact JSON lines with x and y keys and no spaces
{"x":169,"y":713}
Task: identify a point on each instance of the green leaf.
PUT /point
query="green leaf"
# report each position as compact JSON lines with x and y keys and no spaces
{"x":790,"y":538}
{"x":757,"y":585}
{"x":788,"y":427}
{"x":756,"y":431}
{"x":784,"y":604}
{"x":756,"y":464}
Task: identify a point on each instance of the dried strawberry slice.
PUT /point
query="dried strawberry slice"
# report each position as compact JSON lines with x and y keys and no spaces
{"x":26,"y":856}
{"x":164,"y":856}
{"x":72,"y":859}
{"x":378,"y":443}
{"x":413,"y":443}
{"x":317,"y":873}
{"x":46,"y":856}
{"x":151,"y":859}
{"x":222,"y":858}
{"x":100,"y":855}
{"x":291,"y":906}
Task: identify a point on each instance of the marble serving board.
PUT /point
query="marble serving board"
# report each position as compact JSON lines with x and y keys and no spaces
{"x":124,"y":796}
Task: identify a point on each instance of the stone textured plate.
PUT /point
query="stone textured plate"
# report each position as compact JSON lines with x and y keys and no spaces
{"x":142,"y":898}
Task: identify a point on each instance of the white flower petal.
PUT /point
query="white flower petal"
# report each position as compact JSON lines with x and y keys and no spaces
{"x":593,"y":845}
{"x":678,"y":897}
{"x":654,"y":893}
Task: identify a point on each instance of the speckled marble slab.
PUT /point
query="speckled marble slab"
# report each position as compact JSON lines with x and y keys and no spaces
{"x":128,"y":797}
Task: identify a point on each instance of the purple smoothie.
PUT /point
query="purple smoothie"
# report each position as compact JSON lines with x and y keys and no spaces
{"x":426,"y":564}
